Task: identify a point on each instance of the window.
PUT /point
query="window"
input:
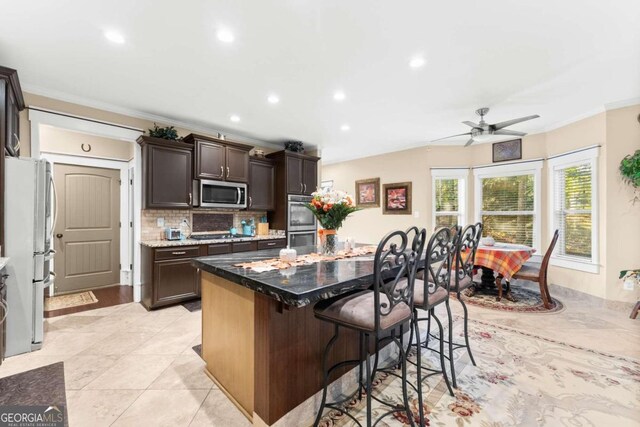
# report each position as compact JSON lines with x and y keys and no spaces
{"x":572,"y":200}
{"x":507,"y":202}
{"x":449,"y":197}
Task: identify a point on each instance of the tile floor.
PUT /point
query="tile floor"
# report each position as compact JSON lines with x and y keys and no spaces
{"x":126,"y":366}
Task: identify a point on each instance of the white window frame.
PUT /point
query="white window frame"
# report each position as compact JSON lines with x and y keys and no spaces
{"x":462,"y":175}
{"x":589,"y":155}
{"x":531,"y":167}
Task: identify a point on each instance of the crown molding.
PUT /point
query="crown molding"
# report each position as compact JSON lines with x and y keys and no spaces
{"x":621,"y":104}
{"x":129,"y":112}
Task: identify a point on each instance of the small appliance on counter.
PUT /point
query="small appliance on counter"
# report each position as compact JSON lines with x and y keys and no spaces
{"x":173,"y":233}
{"x":249,"y":228}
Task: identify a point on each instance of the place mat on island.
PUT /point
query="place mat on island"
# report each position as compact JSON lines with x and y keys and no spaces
{"x":278,"y":264}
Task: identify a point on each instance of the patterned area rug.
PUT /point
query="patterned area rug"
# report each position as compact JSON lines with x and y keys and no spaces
{"x":527,"y":301}
{"x":70,"y":300}
{"x":521,"y":380}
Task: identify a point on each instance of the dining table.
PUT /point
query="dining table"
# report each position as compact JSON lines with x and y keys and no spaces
{"x":505,"y":259}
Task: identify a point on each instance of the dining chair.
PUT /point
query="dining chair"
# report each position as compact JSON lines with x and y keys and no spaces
{"x":539,"y":274}
{"x":374,"y":314}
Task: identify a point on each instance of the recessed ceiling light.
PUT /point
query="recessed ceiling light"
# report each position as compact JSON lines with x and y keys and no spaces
{"x":345,"y":127}
{"x":339,"y":96}
{"x":273,"y":99}
{"x":225,"y":35}
{"x":234,"y":118}
{"x":114,"y":37}
{"x":416,"y":62}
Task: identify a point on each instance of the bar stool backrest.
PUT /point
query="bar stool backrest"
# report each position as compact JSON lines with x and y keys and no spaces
{"x":466,"y":248}
{"x":394,"y":268}
{"x":438,"y":260}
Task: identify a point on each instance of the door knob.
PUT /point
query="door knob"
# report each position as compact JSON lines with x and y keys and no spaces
{"x":59,"y":236}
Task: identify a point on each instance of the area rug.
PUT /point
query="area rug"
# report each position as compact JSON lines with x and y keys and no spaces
{"x":71,"y":300}
{"x":40,"y":390}
{"x":193,"y":305}
{"x":520,"y":380}
{"x":527,"y":301}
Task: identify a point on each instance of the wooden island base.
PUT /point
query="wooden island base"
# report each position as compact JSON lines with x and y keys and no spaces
{"x":264,"y":355}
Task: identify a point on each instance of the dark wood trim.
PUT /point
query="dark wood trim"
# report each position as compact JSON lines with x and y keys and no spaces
{"x":12,"y":76}
{"x":144,"y":140}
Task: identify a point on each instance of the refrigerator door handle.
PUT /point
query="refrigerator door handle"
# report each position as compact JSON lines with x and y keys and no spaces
{"x":55,"y":209}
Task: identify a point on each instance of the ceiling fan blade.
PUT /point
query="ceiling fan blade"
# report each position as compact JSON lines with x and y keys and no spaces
{"x":469,"y":142}
{"x":509,"y":132}
{"x":513,"y":122}
{"x":451,"y":136}
{"x":473,"y":125}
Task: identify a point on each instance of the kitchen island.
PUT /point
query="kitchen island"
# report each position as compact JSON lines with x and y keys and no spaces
{"x":260,"y":340}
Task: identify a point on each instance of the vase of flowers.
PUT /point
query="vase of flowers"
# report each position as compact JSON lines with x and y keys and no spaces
{"x":331,"y":208}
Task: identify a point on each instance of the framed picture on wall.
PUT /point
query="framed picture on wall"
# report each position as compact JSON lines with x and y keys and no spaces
{"x":507,"y":150}
{"x":397,"y":199}
{"x":368,"y":193}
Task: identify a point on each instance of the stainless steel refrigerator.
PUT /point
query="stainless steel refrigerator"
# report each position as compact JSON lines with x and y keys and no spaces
{"x":29,"y":222}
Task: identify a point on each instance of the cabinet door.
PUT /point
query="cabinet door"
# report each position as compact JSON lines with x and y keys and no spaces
{"x":237,"y":165}
{"x":310,"y":176}
{"x":168,"y":177}
{"x":210,"y":160}
{"x":294,"y":175}
{"x":174,"y":281}
{"x":261,"y":186}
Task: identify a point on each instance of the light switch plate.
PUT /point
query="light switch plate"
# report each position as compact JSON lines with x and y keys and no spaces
{"x":160,"y":222}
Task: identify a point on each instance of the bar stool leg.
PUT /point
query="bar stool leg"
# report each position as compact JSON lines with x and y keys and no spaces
{"x":466,"y":329}
{"x":442,"y":364}
{"x":405,"y":392}
{"x":360,"y":368}
{"x":451,"y":361}
{"x":368,"y":391}
{"x":416,"y":328}
{"x":325,"y":357}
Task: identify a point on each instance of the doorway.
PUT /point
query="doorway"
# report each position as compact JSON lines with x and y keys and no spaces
{"x":87,"y":230}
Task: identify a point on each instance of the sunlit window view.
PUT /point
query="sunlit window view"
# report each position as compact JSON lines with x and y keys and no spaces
{"x":508,"y":208}
{"x":447,"y":202}
{"x":573,"y":210}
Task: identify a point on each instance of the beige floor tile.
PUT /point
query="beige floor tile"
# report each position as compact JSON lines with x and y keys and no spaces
{"x":105,"y":311}
{"x":119,"y":343}
{"x":187,"y":323}
{"x":167,"y":343}
{"x":25,"y":362}
{"x":171,"y":408}
{"x":68,"y":342}
{"x":186,"y":372}
{"x":218,"y":411}
{"x":131,"y":372}
{"x":196,"y":341}
{"x":80,"y":370}
{"x":69,"y":323}
{"x":98,"y":408}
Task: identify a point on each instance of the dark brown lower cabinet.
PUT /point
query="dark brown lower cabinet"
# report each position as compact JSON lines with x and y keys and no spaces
{"x":168,"y":277}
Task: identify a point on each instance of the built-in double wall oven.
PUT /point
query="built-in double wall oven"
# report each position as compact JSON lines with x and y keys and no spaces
{"x":301,"y":223}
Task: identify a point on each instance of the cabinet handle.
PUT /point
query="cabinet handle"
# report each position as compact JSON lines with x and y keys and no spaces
{"x":301,"y":187}
{"x":190,"y":198}
{"x":305,"y":188}
{"x":221,"y":171}
{"x":178,"y":253}
{"x":250,"y":201}
{"x":271,"y":244}
{"x":227,"y":171}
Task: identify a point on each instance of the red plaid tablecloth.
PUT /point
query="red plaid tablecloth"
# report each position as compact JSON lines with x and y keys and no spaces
{"x":504,"y":258}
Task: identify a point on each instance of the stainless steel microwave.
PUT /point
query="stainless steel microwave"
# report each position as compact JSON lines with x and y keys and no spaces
{"x":220,"y":194}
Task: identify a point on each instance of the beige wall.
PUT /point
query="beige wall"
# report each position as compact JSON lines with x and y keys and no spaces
{"x":62,"y":141}
{"x":617,"y":131}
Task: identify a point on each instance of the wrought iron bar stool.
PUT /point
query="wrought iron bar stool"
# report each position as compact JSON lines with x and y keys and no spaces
{"x":374,"y":313}
{"x":428,"y":294}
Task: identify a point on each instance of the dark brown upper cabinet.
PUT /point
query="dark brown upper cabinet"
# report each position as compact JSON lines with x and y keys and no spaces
{"x":261,"y":184}
{"x":219,"y":159}
{"x":166,"y":173}
{"x":297,"y":172}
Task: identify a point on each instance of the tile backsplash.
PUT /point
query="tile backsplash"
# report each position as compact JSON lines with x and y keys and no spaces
{"x":209,"y":220}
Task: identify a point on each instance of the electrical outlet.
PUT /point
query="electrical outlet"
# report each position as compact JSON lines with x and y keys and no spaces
{"x":160,"y":222}
{"x":629,"y":283}
{"x":416,"y":214}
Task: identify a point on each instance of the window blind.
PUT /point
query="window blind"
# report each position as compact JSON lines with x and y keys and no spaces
{"x":573,"y":210}
{"x":447,"y":202}
{"x":507,"y":208}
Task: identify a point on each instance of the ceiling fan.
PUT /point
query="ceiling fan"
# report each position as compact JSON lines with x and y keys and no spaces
{"x":484,"y":131}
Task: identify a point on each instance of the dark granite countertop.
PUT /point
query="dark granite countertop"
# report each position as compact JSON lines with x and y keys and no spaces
{"x":296,"y":286}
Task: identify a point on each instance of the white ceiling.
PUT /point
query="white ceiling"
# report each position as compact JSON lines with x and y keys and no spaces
{"x":560,"y":59}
